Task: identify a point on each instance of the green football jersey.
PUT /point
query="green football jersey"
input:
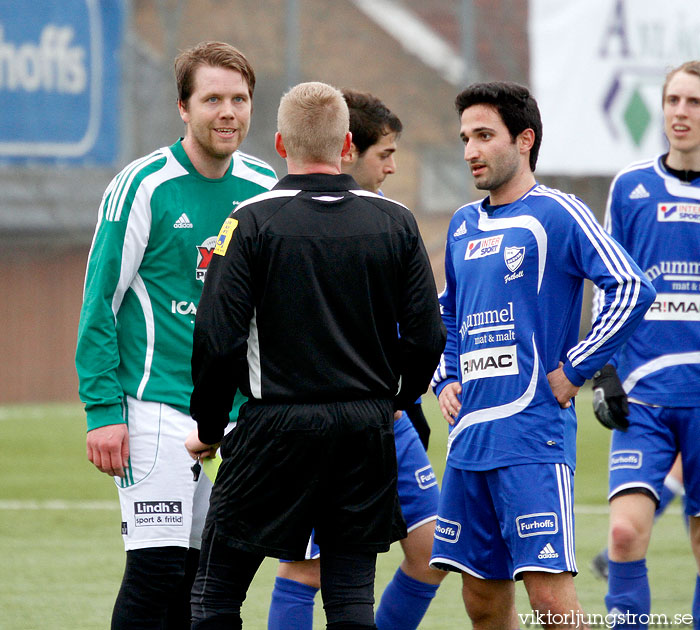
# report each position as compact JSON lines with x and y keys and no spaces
{"x":156,"y":231}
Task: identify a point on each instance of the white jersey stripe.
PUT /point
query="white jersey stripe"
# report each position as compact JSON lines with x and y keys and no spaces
{"x":241,"y":168}
{"x":440,"y":372}
{"x":567,"y":528}
{"x":673,"y":185}
{"x":116,"y":185}
{"x":254,"y":369}
{"x":598,"y":294}
{"x":434,"y":562}
{"x":141,"y":292}
{"x":367,"y":193}
{"x":664,"y":361}
{"x":621,"y":307}
{"x":526,"y":222}
{"x":139,"y":227}
{"x":500,"y":411}
{"x":100,"y":215}
{"x":537,"y":568}
{"x":272,"y":194}
{"x":633,"y":484}
{"x":570,"y":517}
{"x":618,"y":266}
{"x":253,"y":160}
{"x":123,"y":181}
{"x":119,"y":199}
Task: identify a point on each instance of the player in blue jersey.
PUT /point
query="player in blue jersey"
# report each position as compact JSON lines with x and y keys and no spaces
{"x":515,"y":263}
{"x":375,"y":131}
{"x":654,"y":212}
{"x":672,"y":488}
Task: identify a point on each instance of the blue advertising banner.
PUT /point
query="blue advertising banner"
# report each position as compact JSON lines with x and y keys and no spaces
{"x":60,"y":75}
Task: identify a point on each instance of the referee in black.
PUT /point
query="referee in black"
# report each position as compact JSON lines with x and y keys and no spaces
{"x":299,"y":312}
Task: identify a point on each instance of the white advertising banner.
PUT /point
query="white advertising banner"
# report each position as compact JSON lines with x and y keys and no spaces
{"x":597,"y":69}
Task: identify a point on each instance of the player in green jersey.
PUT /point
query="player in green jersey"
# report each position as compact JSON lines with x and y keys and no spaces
{"x":156,"y":232}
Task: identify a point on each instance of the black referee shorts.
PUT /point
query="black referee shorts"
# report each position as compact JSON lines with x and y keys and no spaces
{"x":289,"y":468}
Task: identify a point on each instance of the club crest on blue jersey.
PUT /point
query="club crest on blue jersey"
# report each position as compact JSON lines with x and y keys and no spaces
{"x":675,"y":212}
{"x":625,"y":459}
{"x":483,"y":247}
{"x":447,"y":530}
{"x":537,"y":524}
{"x":514,"y":257}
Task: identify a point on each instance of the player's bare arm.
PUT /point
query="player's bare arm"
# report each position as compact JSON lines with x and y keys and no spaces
{"x":198,"y":449}
{"x":108,"y":449}
{"x":562,"y":388}
{"x":449,"y":401}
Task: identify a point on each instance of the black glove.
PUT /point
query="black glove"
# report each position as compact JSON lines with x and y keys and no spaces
{"x":609,"y":399}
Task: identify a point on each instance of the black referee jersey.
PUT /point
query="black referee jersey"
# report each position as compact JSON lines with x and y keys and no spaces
{"x":302,"y":299}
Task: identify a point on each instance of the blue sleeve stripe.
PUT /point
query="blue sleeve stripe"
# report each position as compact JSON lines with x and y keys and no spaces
{"x":626,"y":293}
{"x":599,"y":294}
{"x":623,"y":305}
{"x":447,"y":365}
{"x":615,"y":261}
{"x":440,"y":373}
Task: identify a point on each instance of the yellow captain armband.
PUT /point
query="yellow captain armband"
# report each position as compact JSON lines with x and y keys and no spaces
{"x":224,"y":237}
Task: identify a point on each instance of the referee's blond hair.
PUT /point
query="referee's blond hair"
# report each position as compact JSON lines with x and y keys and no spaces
{"x":313,"y":120}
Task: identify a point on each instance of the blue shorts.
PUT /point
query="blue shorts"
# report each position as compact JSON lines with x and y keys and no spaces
{"x":642,"y":456}
{"x":417,"y":484}
{"x":496,"y":524}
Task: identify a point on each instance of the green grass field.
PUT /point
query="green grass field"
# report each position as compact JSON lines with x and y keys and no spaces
{"x":63,"y":554}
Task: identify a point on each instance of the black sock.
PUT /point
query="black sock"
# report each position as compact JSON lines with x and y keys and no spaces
{"x":222,"y":581}
{"x":179,"y":613}
{"x":152,"y":578}
{"x":347,"y":589}
{"x":219,"y":622}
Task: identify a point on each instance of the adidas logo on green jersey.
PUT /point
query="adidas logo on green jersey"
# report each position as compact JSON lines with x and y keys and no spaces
{"x":183,"y":222}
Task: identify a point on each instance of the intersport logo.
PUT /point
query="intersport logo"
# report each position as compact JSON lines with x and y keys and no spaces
{"x":483,"y":247}
{"x":685,"y":212}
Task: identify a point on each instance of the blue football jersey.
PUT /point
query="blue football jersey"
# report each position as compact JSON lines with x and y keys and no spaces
{"x":512,"y":307}
{"x":656,"y":217}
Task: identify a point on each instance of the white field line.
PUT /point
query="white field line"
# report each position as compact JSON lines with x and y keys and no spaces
{"x":32,"y":412}
{"x":58,"y":504}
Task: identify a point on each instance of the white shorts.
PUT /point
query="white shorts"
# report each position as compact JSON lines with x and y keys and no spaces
{"x":161,"y":504}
